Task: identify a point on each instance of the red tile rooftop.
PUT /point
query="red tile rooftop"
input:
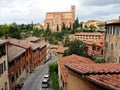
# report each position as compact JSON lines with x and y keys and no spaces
{"x":61,"y":49}
{"x":93,"y":68}
{"x":68,"y":60}
{"x":110,"y":81}
{"x":105,"y":74}
{"x":32,"y":39}
{"x":21,"y":43}
{"x":14,"y":52}
{"x":96,"y":42}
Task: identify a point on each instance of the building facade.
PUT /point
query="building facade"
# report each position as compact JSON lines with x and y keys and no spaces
{"x":55,"y":20}
{"x":63,"y":71}
{"x":86,"y":37}
{"x":93,"y":76}
{"x":94,"y":24}
{"x":43,"y":52}
{"x":4,"y":81}
{"x":16,"y":63}
{"x":112,"y":41}
{"x":28,"y":54}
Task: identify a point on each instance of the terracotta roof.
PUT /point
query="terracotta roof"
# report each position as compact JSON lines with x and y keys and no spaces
{"x":42,"y":44}
{"x":33,"y":45}
{"x":57,"y":12}
{"x":32,"y":39}
{"x":22,"y":43}
{"x":99,"y":42}
{"x":54,"y":46}
{"x":3,"y":41}
{"x":61,"y":49}
{"x":68,"y":60}
{"x":87,"y":33}
{"x":105,"y":74}
{"x":109,"y":81}
{"x":14,"y":52}
{"x":94,"y":68}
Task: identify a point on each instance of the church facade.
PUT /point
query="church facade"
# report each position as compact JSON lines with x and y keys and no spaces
{"x":55,"y":20}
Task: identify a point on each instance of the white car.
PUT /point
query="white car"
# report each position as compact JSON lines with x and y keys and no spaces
{"x":45,"y":83}
{"x":46,"y":76}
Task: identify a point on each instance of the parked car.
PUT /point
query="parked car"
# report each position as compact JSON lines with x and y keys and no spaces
{"x":47,"y":76}
{"x":45,"y":83}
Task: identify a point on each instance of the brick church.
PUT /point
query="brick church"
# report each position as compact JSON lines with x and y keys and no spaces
{"x":56,"y":19}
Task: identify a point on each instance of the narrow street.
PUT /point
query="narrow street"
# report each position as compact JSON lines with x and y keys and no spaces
{"x":34,"y":80}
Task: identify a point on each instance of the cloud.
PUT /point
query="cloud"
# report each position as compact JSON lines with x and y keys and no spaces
{"x":100,"y":2}
{"x":26,"y":11}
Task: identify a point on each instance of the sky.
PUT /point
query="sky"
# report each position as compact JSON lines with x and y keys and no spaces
{"x":27,"y":11}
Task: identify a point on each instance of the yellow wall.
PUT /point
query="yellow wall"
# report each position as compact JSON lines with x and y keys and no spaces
{"x":75,"y":82}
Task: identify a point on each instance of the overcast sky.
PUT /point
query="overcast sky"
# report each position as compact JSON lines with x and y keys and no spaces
{"x":26,"y":11}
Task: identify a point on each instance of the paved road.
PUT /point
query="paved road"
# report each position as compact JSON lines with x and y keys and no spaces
{"x":33,"y":82}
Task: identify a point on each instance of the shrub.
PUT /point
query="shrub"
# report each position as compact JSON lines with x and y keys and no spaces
{"x":100,"y":60}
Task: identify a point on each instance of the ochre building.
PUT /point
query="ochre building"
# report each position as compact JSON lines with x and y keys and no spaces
{"x":55,"y":20}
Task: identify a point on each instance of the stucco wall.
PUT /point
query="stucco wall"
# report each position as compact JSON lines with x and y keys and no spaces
{"x":75,"y":82}
{"x":4,"y":76}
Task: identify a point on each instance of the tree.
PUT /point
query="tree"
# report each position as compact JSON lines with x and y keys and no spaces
{"x":15,"y":32}
{"x":76,"y":24}
{"x":37,"y":32}
{"x":48,"y":28}
{"x":99,"y":60}
{"x":4,"y":30}
{"x":70,"y":27}
{"x":63,"y":26}
{"x":53,"y":70}
{"x":57,"y":27}
{"x":101,"y":26}
{"x":92,"y":27}
{"x":93,"y":47}
{"x":67,"y":41}
{"x":77,"y":47}
{"x":55,"y":42}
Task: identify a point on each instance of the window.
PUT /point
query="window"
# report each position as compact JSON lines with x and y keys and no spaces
{"x":13,"y":79}
{"x":4,"y":66}
{"x":6,"y":86}
{"x":0,"y":69}
{"x":2,"y":50}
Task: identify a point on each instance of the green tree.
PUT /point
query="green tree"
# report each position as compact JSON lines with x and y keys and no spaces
{"x":48,"y":27}
{"x":53,"y":70}
{"x":76,"y":23}
{"x":101,"y":25}
{"x":66,"y":42}
{"x":37,"y":32}
{"x":92,"y":27}
{"x":77,"y":47}
{"x":57,"y":27}
{"x":63,"y":26}
{"x":93,"y":47}
{"x":15,"y":32}
{"x":4,"y":30}
{"x":99,"y":60}
{"x":55,"y":42}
